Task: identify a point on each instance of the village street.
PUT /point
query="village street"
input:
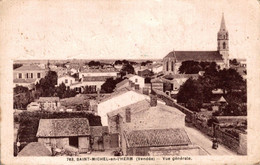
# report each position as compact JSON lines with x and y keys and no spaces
{"x":205,"y":142}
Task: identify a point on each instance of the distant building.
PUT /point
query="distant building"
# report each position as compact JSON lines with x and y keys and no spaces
{"x":67,"y":132}
{"x":137,"y":80}
{"x":108,"y":72}
{"x":49,"y":103}
{"x":28,"y":75}
{"x":173,"y":60}
{"x":66,"y":79}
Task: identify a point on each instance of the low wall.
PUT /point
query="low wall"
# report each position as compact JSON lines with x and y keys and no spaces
{"x":227,"y":139}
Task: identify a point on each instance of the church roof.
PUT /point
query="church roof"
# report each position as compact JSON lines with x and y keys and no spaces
{"x":195,"y":55}
{"x":222,"y":25}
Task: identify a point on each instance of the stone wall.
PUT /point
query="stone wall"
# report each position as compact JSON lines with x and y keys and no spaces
{"x":227,"y":139}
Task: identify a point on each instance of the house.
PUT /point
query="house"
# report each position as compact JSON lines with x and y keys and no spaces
{"x":117,"y":100}
{"x":148,"y":127}
{"x":28,"y":75}
{"x":173,"y":60}
{"x":49,"y":103}
{"x":137,"y":80}
{"x":157,"y":68}
{"x":106,"y":72}
{"x":66,"y":79}
{"x":66,"y":132}
{"x":145,"y":73}
{"x":35,"y":149}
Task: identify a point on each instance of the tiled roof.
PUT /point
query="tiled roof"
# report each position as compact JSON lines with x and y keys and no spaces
{"x":63,"y":127}
{"x":29,"y":81}
{"x":95,"y":78}
{"x":48,"y":99}
{"x":65,"y":75}
{"x":122,"y":83}
{"x":195,"y":55}
{"x":98,"y":130}
{"x":35,"y":149}
{"x":29,"y":67}
{"x":157,"y":138}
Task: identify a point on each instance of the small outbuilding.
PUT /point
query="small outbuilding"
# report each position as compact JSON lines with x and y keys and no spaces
{"x":61,"y":133}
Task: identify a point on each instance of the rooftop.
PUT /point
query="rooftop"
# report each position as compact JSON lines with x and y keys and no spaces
{"x":195,"y":55}
{"x":87,"y":70}
{"x":35,"y":149}
{"x":48,"y":99}
{"x":30,"y":68}
{"x":157,"y":137}
{"x":96,"y":78}
{"x":24,"y":80}
{"x":63,"y":127}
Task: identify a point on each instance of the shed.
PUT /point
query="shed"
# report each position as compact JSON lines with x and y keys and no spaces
{"x":60,"y":133}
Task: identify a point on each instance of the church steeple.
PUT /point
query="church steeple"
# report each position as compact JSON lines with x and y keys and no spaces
{"x":223,"y":45}
{"x":222,"y":25}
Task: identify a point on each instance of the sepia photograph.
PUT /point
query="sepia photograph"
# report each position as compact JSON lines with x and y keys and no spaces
{"x":110,"y":81}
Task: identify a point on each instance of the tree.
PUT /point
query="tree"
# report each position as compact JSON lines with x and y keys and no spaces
{"x":190,"y":67}
{"x":109,"y":85}
{"x":47,"y":84}
{"x":191,"y":94}
{"x":229,"y":80}
{"x":234,"y":62}
{"x":128,"y":69}
{"x":94,"y":63}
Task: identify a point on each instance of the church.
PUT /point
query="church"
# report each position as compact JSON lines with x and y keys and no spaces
{"x":173,"y":60}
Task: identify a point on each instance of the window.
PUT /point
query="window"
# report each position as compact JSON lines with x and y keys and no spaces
{"x":136,"y":80}
{"x":38,"y":75}
{"x":27,"y":75}
{"x":66,"y":81}
{"x":172,"y":66}
{"x":20,"y":75}
{"x":167,"y":67}
{"x":31,"y":75}
{"x":224,"y":45}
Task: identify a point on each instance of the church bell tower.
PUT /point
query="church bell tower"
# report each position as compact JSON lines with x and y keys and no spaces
{"x":223,"y":45}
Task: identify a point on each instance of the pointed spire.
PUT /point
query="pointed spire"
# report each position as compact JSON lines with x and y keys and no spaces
{"x":223,"y":25}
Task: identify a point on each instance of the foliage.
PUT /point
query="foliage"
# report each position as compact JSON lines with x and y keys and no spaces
{"x":234,"y":62}
{"x":94,"y":63}
{"x":29,"y":122}
{"x":15,"y":66}
{"x":110,"y":84}
{"x":193,"y":67}
{"x":128,"y":69}
{"x":144,"y":63}
{"x":194,"y":92}
{"x":47,"y":84}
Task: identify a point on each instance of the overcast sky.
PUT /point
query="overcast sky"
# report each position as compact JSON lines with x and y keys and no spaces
{"x":125,"y":29}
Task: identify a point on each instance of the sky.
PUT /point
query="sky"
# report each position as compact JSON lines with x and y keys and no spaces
{"x":113,"y":29}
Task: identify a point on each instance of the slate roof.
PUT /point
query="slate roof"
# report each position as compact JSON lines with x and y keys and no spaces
{"x":96,"y":78}
{"x":35,"y":149}
{"x":63,"y":127}
{"x":98,"y":130}
{"x":195,"y":55}
{"x":29,"y":67}
{"x":157,"y":138}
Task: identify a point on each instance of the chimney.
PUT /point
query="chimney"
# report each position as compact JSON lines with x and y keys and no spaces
{"x":128,"y":115}
{"x":153,"y":99}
